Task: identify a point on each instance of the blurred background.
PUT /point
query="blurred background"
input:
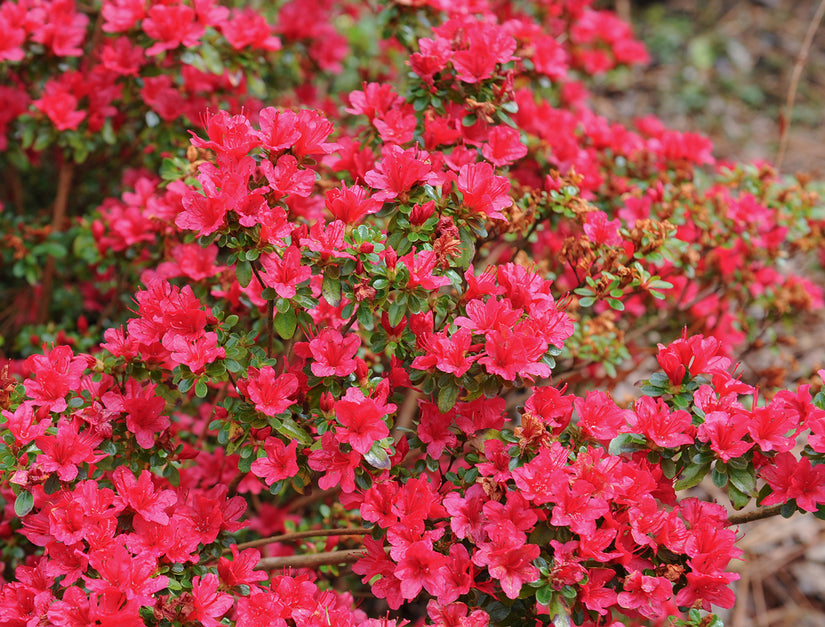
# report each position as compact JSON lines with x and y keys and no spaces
{"x":724,"y":68}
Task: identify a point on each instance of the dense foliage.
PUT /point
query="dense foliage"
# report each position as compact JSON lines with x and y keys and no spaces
{"x":347,"y":349}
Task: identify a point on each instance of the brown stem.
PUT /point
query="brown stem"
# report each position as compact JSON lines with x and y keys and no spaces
{"x":287,"y":353}
{"x":270,"y":326}
{"x":61,"y":203}
{"x":270,"y":311}
{"x":257,"y":274}
{"x":758,"y":514}
{"x":350,"y":322}
{"x":16,"y":190}
{"x":407,"y":413}
{"x":311,"y":561}
{"x":802,"y":57}
{"x":311,"y":498}
{"x":298,"y":535}
{"x":525,"y":241}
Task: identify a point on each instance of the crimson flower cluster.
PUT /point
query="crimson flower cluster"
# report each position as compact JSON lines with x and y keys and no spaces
{"x":371,"y":344}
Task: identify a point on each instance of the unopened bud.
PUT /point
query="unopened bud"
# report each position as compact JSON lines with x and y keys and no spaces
{"x":361,"y":370}
{"x":393,"y":331}
{"x":391,"y":259}
{"x":260,"y":434}
{"x":326,"y":403}
{"x":421,"y":213}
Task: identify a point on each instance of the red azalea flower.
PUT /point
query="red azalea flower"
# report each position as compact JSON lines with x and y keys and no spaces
{"x":508,"y":559}
{"x":209,"y":604}
{"x":64,"y":452}
{"x":271,"y":393}
{"x":280,"y":461}
{"x":142,"y":496}
{"x":361,"y":419}
{"x":284,"y":274}
{"x":483,"y":191}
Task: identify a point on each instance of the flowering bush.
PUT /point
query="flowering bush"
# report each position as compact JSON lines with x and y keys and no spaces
{"x":371,"y":344}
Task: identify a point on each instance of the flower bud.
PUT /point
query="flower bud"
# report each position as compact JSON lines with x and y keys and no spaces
{"x":260,"y":434}
{"x":422,"y":324}
{"x":393,"y":331}
{"x":361,"y":371}
{"x":391,"y":259}
{"x":326,"y":403}
{"x":421,"y":213}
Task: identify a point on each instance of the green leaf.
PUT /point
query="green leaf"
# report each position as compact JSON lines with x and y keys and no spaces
{"x":170,"y":170}
{"x":52,"y":484}
{"x":691,"y":476}
{"x":243,"y":272}
{"x":211,"y":58}
{"x":649,"y":390}
{"x":506,"y":118}
{"x":233,"y":366}
{"x":626,"y":443}
{"x":172,"y":473}
{"x":743,"y":479}
{"x":286,"y":323}
{"x":447,"y":396}
{"x":53,"y":249}
{"x":331,"y":286}
{"x":737,"y":498}
{"x":290,"y":429}
{"x":510,"y":106}
{"x":820,"y":512}
{"x":396,"y":312}
{"x":200,"y":389}
{"x":23,"y":504}
{"x":377,"y":457}
{"x":720,"y":479}
{"x":364,"y":316}
{"x":615,"y":304}
{"x":468,"y":249}
{"x":544,"y":595}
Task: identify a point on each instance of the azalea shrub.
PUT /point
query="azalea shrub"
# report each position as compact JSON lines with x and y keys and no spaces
{"x":345,"y":352}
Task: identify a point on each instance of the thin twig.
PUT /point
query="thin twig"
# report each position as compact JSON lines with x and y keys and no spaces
{"x":525,"y":241}
{"x":739,"y":614}
{"x":759,"y":514}
{"x":270,"y":326}
{"x":311,"y":498}
{"x":61,"y":203}
{"x":270,"y":312}
{"x":329,"y":558}
{"x":407,"y":413}
{"x":299,"y":535}
{"x":802,"y":57}
{"x":350,"y":322}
